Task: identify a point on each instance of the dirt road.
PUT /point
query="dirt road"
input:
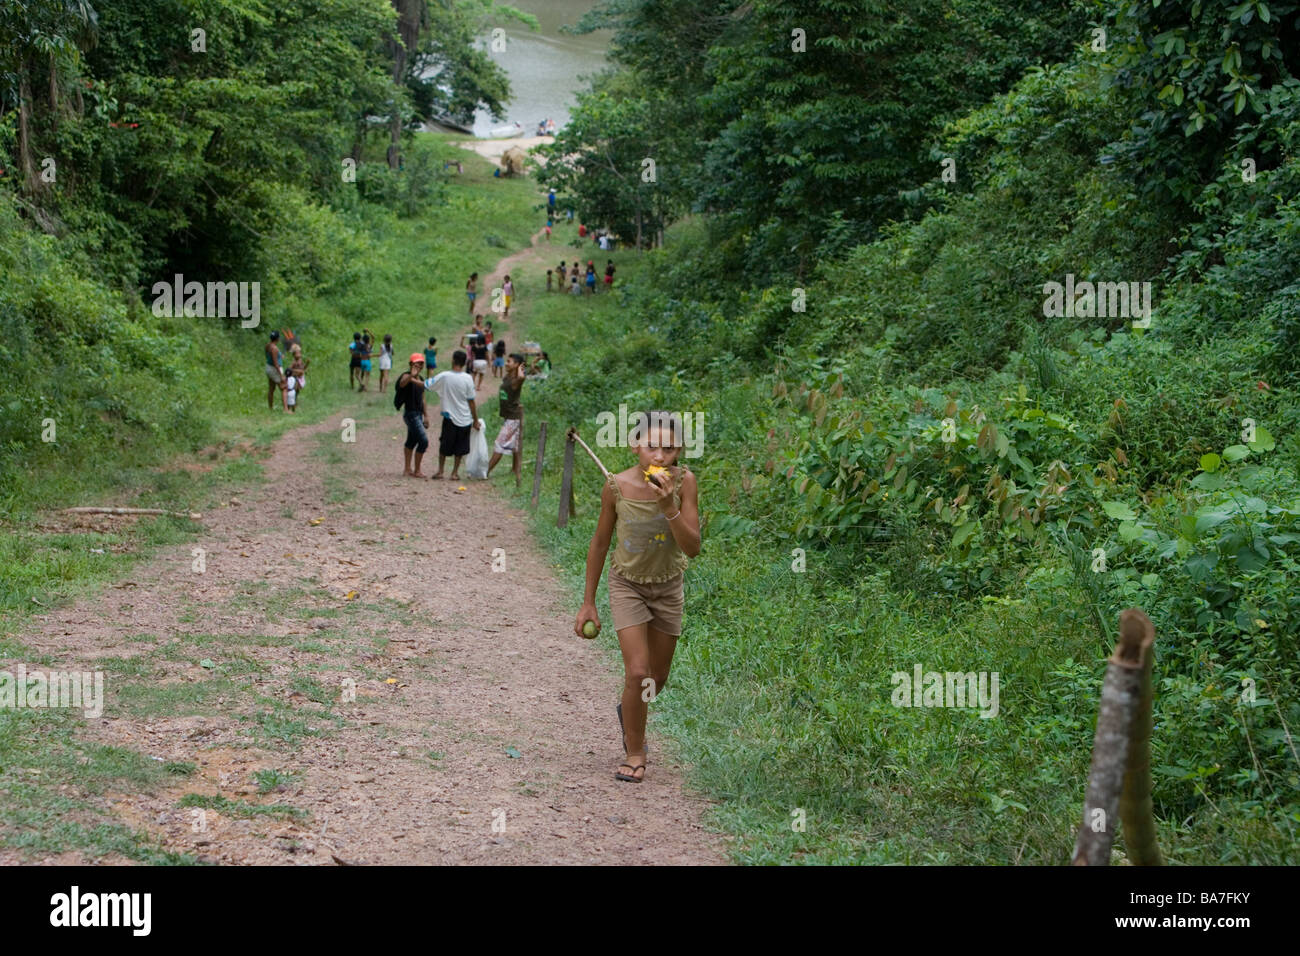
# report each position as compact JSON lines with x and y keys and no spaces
{"x":482,"y":730}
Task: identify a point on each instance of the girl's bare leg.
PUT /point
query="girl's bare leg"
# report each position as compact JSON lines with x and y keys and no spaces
{"x":635,"y":644}
{"x":662,"y":647}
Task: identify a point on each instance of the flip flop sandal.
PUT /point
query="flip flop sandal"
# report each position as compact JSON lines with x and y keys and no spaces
{"x":618,"y":709}
{"x":619,"y":775}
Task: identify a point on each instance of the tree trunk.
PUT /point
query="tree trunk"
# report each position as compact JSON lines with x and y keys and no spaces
{"x":54,"y":95}
{"x":30,"y":182}
{"x":411,"y":14}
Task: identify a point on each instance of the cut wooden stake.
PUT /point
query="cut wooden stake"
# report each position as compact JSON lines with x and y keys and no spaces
{"x":566,"y":485}
{"x":537,"y":471}
{"x":1135,"y":809}
{"x":1121,"y":698}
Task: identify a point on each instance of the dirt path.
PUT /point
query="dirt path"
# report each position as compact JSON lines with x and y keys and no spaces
{"x":482,"y":730}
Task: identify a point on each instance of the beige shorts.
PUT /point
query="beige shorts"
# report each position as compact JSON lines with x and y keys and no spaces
{"x":508,"y":437}
{"x":659,"y":604}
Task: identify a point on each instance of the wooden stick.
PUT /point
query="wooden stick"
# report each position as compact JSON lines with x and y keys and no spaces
{"x":131,"y":511}
{"x":1121,"y":693}
{"x":1135,"y":810}
{"x":572,"y":434}
{"x":566,"y":484}
{"x":537,"y":471}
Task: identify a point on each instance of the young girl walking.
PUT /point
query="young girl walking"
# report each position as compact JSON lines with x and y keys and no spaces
{"x":654,"y":508}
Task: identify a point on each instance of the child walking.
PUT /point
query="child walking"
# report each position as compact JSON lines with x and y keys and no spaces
{"x":658,"y":524}
{"x":385,"y":362}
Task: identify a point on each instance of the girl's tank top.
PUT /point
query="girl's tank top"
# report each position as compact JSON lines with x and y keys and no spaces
{"x":646,"y":552}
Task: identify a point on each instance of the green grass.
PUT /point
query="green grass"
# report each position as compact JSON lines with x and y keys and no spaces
{"x":242,"y":809}
{"x":52,"y":784}
{"x":274,"y":780}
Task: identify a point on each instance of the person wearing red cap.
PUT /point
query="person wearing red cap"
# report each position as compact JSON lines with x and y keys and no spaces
{"x":410,"y":393}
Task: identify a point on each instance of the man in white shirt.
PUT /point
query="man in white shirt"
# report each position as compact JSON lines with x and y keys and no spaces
{"x":459,"y":413}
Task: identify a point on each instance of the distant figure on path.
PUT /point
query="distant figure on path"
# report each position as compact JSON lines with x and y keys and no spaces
{"x":479,"y":350}
{"x":508,"y":292}
{"x":385,"y":362}
{"x":471,"y":290}
{"x":364,"y":375}
{"x":297,"y":376}
{"x":609,"y":274}
{"x":431,"y":355}
{"x":354,"y":359}
{"x":275,"y":377}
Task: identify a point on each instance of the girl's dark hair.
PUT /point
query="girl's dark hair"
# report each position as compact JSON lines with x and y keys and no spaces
{"x":388,"y":338}
{"x":499,"y":349}
{"x":656,"y":418}
{"x":432,"y":340}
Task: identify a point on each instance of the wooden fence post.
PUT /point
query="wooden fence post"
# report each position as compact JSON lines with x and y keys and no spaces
{"x":566,"y":486}
{"x":1121,"y":737}
{"x":537,"y":472}
{"x":1135,"y":810}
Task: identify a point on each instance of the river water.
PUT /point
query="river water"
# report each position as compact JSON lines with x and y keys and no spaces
{"x":544,"y":66}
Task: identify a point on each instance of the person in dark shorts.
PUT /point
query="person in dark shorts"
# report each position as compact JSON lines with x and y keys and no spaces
{"x":354,"y":359}
{"x":367,"y":344}
{"x":479,"y":347}
{"x":274,"y":374}
{"x":459,"y":413}
{"x":409,"y":398}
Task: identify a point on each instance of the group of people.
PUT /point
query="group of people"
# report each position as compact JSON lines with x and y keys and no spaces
{"x":546,"y":127}
{"x":360,"y":349}
{"x":570,"y":273}
{"x":602,"y":238}
{"x":290,"y":384}
{"x":457,"y":396}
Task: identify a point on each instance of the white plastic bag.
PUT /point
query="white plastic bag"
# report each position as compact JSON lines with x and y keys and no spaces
{"x":476,"y":466}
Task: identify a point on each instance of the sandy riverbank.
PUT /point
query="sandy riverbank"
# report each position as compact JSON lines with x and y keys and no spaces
{"x":494,"y":149}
